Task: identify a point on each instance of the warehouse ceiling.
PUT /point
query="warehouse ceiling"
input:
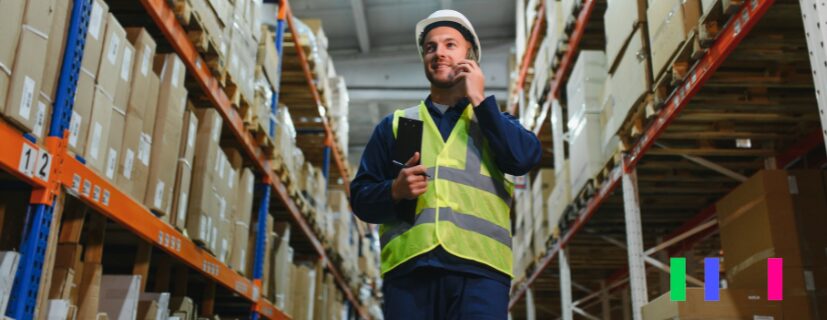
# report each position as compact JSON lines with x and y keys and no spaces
{"x":371,"y":43}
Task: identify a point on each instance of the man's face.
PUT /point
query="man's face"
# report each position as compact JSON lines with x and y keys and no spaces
{"x":442,"y":49}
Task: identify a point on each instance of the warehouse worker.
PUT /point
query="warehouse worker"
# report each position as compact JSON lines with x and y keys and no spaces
{"x":452,"y":259}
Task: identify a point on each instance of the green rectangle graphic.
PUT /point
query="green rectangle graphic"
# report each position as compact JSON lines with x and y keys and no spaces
{"x":677,"y":279}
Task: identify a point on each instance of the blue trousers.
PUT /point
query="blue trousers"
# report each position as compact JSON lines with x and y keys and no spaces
{"x":434,"y":293}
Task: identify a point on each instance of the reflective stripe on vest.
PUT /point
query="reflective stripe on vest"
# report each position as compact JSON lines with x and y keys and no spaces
{"x":466,"y":208}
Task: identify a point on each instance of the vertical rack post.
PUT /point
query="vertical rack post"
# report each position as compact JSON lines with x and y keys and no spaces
{"x":634,"y":242}
{"x":812,"y":13}
{"x":279,"y":42}
{"x":326,"y":163}
{"x":261,"y":234}
{"x":566,"y":306}
{"x":36,"y":230}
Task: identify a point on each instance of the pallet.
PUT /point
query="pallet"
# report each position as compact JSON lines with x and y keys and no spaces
{"x":636,"y":121}
{"x":263,"y":139}
{"x":713,"y":19}
{"x":605,"y":173}
{"x":197,"y":34}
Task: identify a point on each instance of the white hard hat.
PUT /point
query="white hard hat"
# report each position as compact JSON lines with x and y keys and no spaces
{"x":447,"y":16}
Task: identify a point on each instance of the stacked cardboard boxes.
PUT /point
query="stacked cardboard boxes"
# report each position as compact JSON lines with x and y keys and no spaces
{"x":541,"y":189}
{"x":204,"y":204}
{"x":758,"y":221}
{"x":628,"y":61}
{"x":584,"y":89}
{"x":8,"y":269}
{"x":733,"y":304}
{"x":25,"y":38}
{"x":559,"y":198}
{"x":670,"y":24}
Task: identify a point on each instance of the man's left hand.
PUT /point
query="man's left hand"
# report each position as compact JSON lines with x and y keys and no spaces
{"x":470,"y":77}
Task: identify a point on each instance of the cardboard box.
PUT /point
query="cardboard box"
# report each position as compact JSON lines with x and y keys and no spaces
{"x":132,"y":173}
{"x":97,"y":138}
{"x":622,"y":18}
{"x":761,"y":206}
{"x":63,"y":283}
{"x":95,"y":33}
{"x":268,"y":58}
{"x":60,"y":309}
{"x":151,"y":107}
{"x":631,"y":79}
{"x":153,"y":305}
{"x":733,"y":304}
{"x":10,"y":27}
{"x":202,"y":198}
{"x":810,"y":205}
{"x":211,"y":24}
{"x":125,"y":74}
{"x":557,"y":129}
{"x":114,"y":153}
{"x":9,"y":261}
{"x":55,"y":47}
{"x":183,"y":175}
{"x":670,"y":22}
{"x":119,"y":296}
{"x":89,"y":291}
{"x":586,"y":153}
{"x":238,"y":253}
{"x":20,"y":105}
{"x":269,"y":244}
{"x":81,"y":113}
{"x":166,"y":136}
{"x":585,"y":86}
{"x":108,"y":71}
{"x":283,"y":259}
{"x":303,"y":291}
{"x":244,"y":202}
{"x":139,"y":95}
{"x":182,"y":307}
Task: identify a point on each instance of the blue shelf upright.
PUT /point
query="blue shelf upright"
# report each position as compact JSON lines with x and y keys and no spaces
{"x":36,"y":230}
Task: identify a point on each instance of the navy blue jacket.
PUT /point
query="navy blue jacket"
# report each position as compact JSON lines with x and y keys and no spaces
{"x":515,"y":149}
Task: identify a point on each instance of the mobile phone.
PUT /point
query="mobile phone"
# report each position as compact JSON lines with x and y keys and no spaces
{"x":471,"y":55}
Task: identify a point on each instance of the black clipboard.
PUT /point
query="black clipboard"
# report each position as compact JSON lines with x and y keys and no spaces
{"x":408,"y":142}
{"x":408,"y":139}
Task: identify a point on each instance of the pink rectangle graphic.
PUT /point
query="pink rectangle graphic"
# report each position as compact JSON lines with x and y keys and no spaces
{"x":775,"y":279}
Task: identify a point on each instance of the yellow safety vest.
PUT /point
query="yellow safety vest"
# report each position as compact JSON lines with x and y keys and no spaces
{"x":466,"y":207}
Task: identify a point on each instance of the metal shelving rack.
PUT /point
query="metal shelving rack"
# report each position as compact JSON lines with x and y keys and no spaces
{"x":49,"y":169}
{"x":624,"y":174}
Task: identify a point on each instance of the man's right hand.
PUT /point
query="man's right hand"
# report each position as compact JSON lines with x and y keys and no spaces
{"x":411,"y":181}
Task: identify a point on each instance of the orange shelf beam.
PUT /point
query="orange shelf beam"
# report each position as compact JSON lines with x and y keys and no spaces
{"x":106,"y":199}
{"x":528,"y":55}
{"x":568,"y":61}
{"x":20,"y":156}
{"x":337,"y":157}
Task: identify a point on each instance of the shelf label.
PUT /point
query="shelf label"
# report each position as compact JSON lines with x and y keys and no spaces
{"x":27,"y":160}
{"x":240,"y":286}
{"x":145,"y":60}
{"x":87,"y":187}
{"x":95,"y":20}
{"x":96,"y":195}
{"x":44,"y":165}
{"x":106,"y":197}
{"x":209,"y":267}
{"x":76,"y":182}
{"x":169,"y":241}
{"x":126,"y":65}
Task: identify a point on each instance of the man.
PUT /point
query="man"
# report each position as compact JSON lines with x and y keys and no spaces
{"x":453,"y":261}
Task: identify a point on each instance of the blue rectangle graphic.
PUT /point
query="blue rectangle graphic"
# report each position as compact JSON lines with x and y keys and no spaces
{"x":712,"y":270}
